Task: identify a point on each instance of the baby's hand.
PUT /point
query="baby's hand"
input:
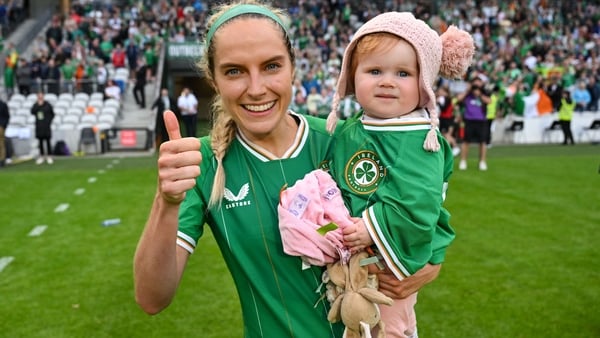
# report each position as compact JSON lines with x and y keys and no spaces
{"x":356,"y":236}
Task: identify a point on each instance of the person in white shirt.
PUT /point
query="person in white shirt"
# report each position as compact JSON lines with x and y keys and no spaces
{"x":188,"y":107}
{"x":112,"y":91}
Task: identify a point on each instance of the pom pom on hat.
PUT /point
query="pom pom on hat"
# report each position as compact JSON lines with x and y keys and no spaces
{"x":448,"y":55}
{"x":457,"y":52}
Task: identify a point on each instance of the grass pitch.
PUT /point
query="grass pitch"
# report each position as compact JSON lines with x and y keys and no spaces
{"x":523,"y":263}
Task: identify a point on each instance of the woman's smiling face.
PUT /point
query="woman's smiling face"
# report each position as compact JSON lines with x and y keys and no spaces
{"x":253,"y":73}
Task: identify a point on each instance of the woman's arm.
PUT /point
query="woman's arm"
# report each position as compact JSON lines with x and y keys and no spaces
{"x":390,"y":286}
{"x":159,"y":261}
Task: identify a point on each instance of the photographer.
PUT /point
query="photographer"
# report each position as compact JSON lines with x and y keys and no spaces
{"x":474,"y":102}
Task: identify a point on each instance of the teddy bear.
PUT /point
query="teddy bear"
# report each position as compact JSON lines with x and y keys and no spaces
{"x":354,"y":297}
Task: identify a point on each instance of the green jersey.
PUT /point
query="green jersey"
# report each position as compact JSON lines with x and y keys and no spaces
{"x":278,"y":297}
{"x":397,"y":187}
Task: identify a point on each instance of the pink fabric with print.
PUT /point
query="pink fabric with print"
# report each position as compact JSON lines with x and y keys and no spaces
{"x":309,"y":204}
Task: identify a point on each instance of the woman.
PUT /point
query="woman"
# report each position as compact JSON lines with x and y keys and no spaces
{"x":224,"y":184}
{"x":44,"y":114}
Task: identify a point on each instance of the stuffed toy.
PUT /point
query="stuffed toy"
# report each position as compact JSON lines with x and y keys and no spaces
{"x":354,"y":297}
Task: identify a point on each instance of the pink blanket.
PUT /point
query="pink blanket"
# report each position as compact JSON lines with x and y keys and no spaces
{"x":313,"y":203}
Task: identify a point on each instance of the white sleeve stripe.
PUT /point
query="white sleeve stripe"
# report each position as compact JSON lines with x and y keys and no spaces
{"x":185,"y":245}
{"x":186,"y":242}
{"x":186,"y":238}
{"x":444,"y":189}
{"x":384,"y":247}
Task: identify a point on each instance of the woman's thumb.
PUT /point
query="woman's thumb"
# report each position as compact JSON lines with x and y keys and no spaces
{"x":172,"y":125}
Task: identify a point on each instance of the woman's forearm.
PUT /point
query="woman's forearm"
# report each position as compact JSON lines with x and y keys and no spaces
{"x":157,"y":264}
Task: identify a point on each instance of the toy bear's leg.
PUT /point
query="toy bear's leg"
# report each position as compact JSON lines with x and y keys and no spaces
{"x":399,"y":319}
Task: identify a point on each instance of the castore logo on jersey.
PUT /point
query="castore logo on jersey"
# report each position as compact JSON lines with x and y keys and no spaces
{"x":237,"y":200}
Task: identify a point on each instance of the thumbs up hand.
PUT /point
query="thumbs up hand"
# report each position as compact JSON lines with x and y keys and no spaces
{"x":178,"y":162}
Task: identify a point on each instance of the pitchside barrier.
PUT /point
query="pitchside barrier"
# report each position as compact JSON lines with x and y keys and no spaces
{"x":537,"y":129}
{"x":534,"y":130}
{"x":25,"y":144}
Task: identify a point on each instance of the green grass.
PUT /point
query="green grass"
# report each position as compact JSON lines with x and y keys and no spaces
{"x":523,"y":263}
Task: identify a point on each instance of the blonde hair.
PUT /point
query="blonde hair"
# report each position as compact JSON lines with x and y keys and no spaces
{"x":224,"y":127}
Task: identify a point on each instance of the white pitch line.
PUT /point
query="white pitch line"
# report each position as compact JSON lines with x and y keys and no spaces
{"x":38,"y":230}
{"x":4,"y":261}
{"x":61,"y":207}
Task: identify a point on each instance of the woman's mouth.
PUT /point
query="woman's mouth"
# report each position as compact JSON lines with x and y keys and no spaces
{"x":259,"y":107}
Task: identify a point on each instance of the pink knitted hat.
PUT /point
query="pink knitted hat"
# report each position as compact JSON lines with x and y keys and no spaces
{"x":448,"y":55}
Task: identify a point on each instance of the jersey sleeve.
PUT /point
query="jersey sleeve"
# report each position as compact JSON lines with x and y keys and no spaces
{"x":444,"y":233}
{"x":403,"y":223}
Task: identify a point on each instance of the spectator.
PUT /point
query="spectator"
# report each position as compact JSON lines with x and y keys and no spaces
{"x":78,"y":52}
{"x":139,"y":92}
{"x":53,"y":77}
{"x":133,"y":52}
{"x":54,"y":33}
{"x":188,"y":107}
{"x":491,"y":109}
{"x":446,"y":107}
{"x":44,"y":114}
{"x":151,"y":60}
{"x":313,"y":100}
{"x":163,"y":103}
{"x":554,"y":90}
{"x":474,"y":117}
{"x":101,"y":76}
{"x":298,"y":88}
{"x":298,"y":104}
{"x":24,"y":77}
{"x":9,"y":76}
{"x":593,"y":88}
{"x":106,"y":46}
{"x":67,"y":75}
{"x":112,"y":91}
{"x":4,"y":119}
{"x":565,"y":115}
{"x":97,"y":50}
{"x":581,"y":96}
{"x":118,"y":57}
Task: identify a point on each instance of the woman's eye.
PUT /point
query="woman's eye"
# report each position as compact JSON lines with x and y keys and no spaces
{"x":273,"y":66}
{"x":232,"y":72}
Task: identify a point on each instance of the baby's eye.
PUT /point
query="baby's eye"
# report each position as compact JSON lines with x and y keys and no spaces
{"x":403,"y":74}
{"x":374,"y":72}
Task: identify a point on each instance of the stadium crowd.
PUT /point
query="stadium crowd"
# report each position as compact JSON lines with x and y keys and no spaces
{"x":522,"y":46}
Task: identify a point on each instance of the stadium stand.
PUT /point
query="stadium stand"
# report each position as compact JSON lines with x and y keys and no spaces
{"x":532,"y":37}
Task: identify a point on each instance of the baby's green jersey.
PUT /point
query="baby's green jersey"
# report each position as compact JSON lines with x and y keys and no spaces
{"x":396,"y":186}
{"x":278,"y":297}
